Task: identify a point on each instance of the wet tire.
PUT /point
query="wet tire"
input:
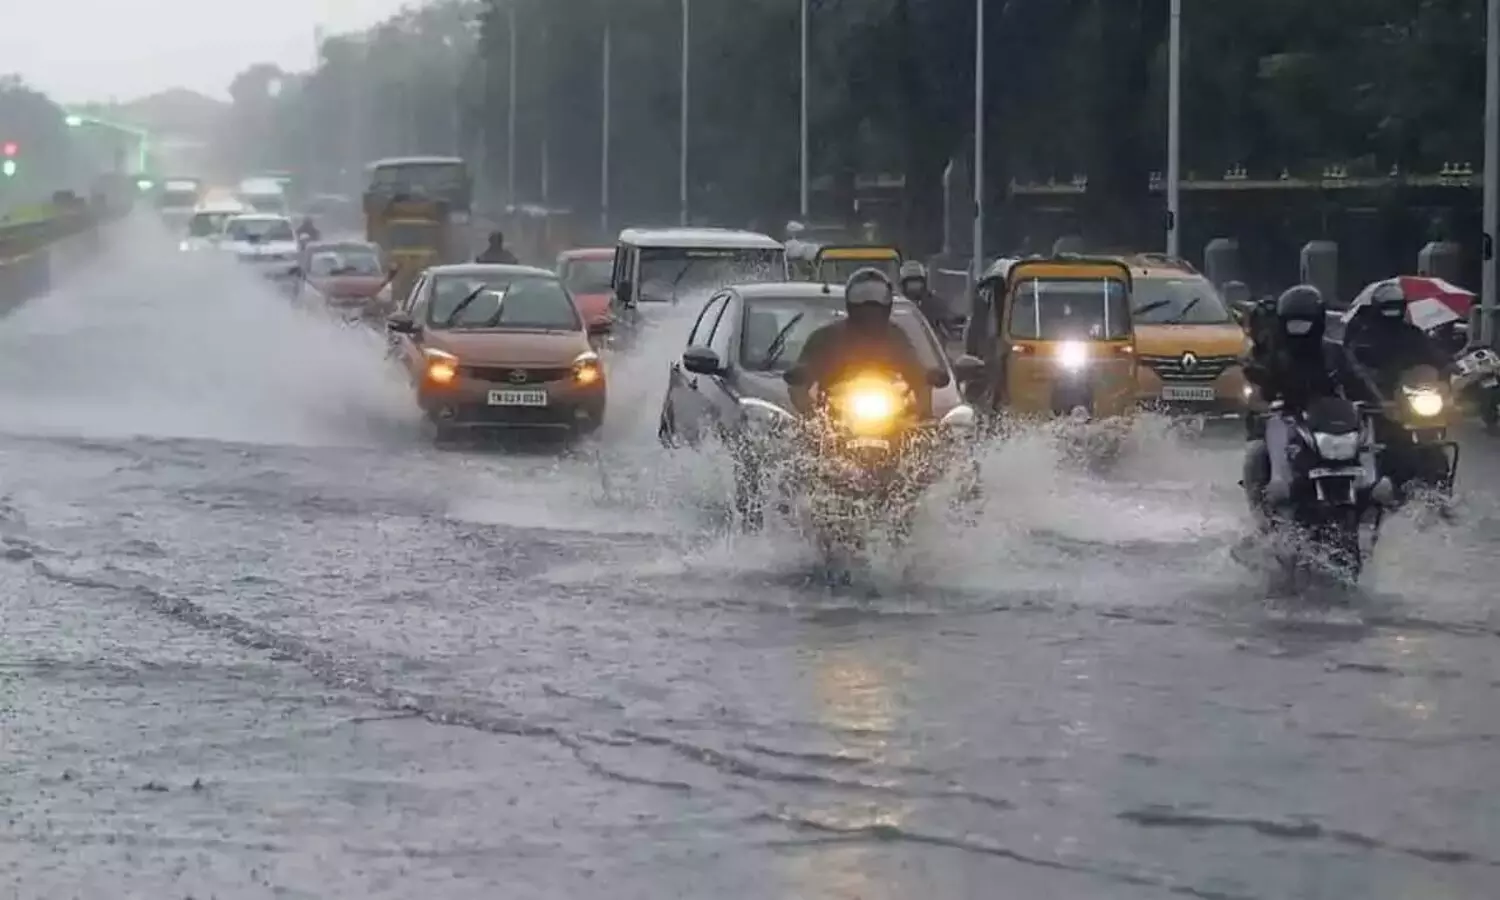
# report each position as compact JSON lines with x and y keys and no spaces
{"x":749,"y":494}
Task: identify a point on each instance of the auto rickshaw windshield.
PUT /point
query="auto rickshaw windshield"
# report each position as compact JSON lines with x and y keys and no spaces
{"x":1070,"y":309}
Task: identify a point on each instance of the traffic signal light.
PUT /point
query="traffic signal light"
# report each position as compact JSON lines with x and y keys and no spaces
{"x":9,"y":150}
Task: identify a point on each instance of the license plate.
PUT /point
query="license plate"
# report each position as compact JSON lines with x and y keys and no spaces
{"x":1204,"y":393}
{"x":1341,"y":472}
{"x":518,"y":398}
{"x":870,"y":444}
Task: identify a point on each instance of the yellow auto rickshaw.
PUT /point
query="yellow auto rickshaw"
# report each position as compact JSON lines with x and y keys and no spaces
{"x":1056,"y":338}
{"x":834,"y":263}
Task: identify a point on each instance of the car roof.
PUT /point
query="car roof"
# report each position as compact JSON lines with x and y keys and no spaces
{"x":479,"y":269}
{"x":699,"y":238}
{"x":587,"y":253}
{"x":315,"y":246}
{"x":415,"y":161}
{"x":220,"y":206}
{"x":262,"y":217}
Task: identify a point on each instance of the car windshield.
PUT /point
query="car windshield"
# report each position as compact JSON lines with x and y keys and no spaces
{"x":588,"y":276}
{"x":669,"y":273}
{"x":268,"y":203}
{"x":354,"y":261}
{"x":1070,"y":309}
{"x":520,"y":302}
{"x":260,"y":230}
{"x":207,"y":224}
{"x":1178,"y":301}
{"x":177,"y":199}
{"x":837,"y":271}
{"x":765,"y":319}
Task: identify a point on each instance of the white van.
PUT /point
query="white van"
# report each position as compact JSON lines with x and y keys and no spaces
{"x":264,"y":195}
{"x":205,"y":228}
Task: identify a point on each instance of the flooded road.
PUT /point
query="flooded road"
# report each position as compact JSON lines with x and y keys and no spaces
{"x":257,"y":639}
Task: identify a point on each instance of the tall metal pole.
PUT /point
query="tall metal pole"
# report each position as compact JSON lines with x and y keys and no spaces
{"x":1174,"y":127}
{"x":604,"y":126}
{"x":510,"y":123}
{"x":976,"y":267}
{"x":682,"y":166}
{"x":803,"y":198}
{"x":1490,"y":303}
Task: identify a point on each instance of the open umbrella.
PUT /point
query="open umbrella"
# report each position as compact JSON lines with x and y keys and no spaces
{"x":1430,"y":302}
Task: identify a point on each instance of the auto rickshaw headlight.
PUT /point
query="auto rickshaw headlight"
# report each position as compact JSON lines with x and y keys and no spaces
{"x":442,"y":368}
{"x":1425,"y":402}
{"x":587,"y":369}
{"x":1073,"y":355}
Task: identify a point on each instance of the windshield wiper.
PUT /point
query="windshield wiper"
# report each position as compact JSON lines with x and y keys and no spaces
{"x":463,"y":305}
{"x":1153,"y":306}
{"x":1182,"y":313}
{"x":778,"y":343}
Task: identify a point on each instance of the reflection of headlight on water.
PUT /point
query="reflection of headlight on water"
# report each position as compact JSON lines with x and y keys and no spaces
{"x":1424,"y":402}
{"x":1073,"y":355}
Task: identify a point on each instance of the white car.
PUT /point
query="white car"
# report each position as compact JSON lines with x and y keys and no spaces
{"x":205,"y":228}
{"x":262,"y":239}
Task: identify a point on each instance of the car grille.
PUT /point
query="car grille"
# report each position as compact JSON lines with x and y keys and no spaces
{"x":515,"y":375}
{"x":1170,"y":368}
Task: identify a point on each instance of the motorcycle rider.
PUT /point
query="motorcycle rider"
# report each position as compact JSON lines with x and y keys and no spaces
{"x":865,"y":339}
{"x":1380,"y":344}
{"x":307,"y":232}
{"x":916,"y":288}
{"x":1293,"y":366}
{"x":496,"y":252}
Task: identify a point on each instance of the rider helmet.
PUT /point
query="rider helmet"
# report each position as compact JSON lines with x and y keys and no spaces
{"x":1388,"y":301}
{"x":869,"y":295}
{"x":913,"y":277}
{"x":1300,"y":313}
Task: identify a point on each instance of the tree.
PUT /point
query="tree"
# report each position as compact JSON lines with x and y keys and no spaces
{"x":37,"y":127}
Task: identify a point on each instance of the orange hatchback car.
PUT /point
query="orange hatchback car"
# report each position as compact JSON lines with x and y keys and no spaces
{"x":499,"y":348}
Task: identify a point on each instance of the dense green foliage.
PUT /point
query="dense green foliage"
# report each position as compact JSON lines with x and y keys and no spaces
{"x":1075,"y":86}
{"x":38,"y":127}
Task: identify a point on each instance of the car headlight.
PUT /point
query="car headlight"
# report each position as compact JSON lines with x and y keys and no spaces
{"x":587,"y":369}
{"x":1073,"y":355}
{"x":961,"y":416}
{"x":184,"y":246}
{"x":763,"y":414}
{"x":442,"y":368}
{"x":1425,"y":402}
{"x":1337,"y":447}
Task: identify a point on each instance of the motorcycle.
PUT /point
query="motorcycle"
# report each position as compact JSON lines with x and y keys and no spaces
{"x":866,"y":458}
{"x":1316,"y":533}
{"x":1477,"y":384}
{"x":1412,"y":434}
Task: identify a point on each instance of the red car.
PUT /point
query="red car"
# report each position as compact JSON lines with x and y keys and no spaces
{"x":587,"y":272}
{"x":349,"y":276}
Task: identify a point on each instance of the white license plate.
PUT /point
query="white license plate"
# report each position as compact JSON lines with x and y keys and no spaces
{"x":1341,"y":472}
{"x":518,"y":398}
{"x":870,"y":444}
{"x":1188,"y":392}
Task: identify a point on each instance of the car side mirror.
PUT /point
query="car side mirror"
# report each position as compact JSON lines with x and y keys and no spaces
{"x":702,"y":361}
{"x":601,"y":326}
{"x":401,"y":323}
{"x":938,"y":378}
{"x":968,"y":368}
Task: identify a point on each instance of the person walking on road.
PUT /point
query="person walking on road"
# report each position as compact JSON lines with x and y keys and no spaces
{"x":496,"y":252}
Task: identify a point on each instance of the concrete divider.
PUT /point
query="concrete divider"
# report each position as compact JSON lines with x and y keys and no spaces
{"x":35,"y":250}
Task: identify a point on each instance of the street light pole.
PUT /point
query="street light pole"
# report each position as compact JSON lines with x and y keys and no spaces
{"x":804,"y":200}
{"x":510,"y":123}
{"x":1174,"y":128}
{"x":976,"y":267}
{"x":1489,"y":303}
{"x":682,"y":166}
{"x":604,"y":126}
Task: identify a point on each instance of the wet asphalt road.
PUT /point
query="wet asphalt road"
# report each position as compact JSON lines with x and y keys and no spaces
{"x":257,"y":640}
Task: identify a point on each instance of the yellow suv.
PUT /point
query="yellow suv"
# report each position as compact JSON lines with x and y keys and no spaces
{"x":1188,"y":344}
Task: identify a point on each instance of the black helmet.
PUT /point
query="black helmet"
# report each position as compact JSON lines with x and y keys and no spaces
{"x":1388,"y":301}
{"x":1300,"y":312}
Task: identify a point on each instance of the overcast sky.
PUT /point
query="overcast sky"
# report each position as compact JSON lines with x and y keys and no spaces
{"x":81,"y":50}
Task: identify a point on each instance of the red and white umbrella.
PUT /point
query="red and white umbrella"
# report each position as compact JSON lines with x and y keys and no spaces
{"x":1430,"y":302}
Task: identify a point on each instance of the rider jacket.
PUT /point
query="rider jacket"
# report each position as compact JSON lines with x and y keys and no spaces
{"x":841,"y":350}
{"x":1294,"y":373}
{"x":496,"y":256}
{"x":933,"y":309}
{"x":1380,"y":350}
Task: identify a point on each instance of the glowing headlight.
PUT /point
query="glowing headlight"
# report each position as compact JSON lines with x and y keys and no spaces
{"x":1073,"y":355}
{"x":442,"y":368}
{"x":1337,"y":447}
{"x":587,"y":369}
{"x":961,"y":416}
{"x":870,"y":406}
{"x":1425,"y":402}
{"x":763,"y":413}
{"x":184,"y":246}
{"x":1249,"y":391}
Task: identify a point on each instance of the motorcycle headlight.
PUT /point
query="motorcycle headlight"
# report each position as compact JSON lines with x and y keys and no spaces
{"x":1073,"y":355}
{"x":1337,"y":447}
{"x":867,"y":406}
{"x":442,"y":368}
{"x":1425,"y":402}
{"x":961,"y":416}
{"x":587,"y":369}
